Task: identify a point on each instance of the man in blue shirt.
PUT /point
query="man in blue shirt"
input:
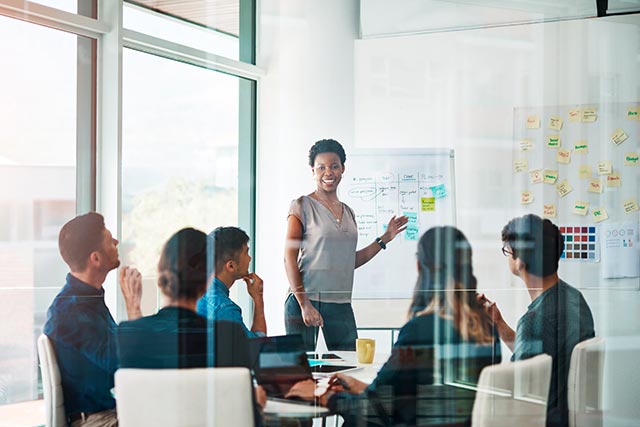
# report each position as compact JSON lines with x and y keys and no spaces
{"x":558,"y":317}
{"x":231,"y":263}
{"x":80,"y":325}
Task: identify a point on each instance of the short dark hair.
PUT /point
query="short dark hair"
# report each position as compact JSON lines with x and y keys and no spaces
{"x":227,"y":243}
{"x":182,"y":268}
{"x":326,"y":146}
{"x":536,"y":241}
{"x":80,"y":237}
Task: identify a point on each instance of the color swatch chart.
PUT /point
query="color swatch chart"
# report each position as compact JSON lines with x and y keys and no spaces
{"x":580,"y":243}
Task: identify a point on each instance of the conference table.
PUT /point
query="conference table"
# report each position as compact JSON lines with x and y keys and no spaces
{"x":366,"y":372}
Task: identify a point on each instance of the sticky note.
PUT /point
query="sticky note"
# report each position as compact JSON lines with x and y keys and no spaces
{"x":580,"y":208}
{"x":631,"y":159}
{"x":553,"y":141}
{"x":618,"y":136}
{"x":555,"y":122}
{"x":520,"y":165}
{"x":533,"y":122}
{"x":600,"y":215}
{"x":549,"y":211}
{"x":537,"y":176}
{"x":630,"y":205}
{"x":411,"y":233}
{"x":564,"y":188}
{"x":412,"y":218}
{"x":563,"y":156}
{"x":584,"y":172}
{"x":526,"y":197}
{"x":428,"y":204}
{"x":526,"y":144}
{"x":604,"y":167}
{"x":575,"y":115}
{"x":595,"y":186}
{"x":589,"y":115}
{"x":581,"y":147}
{"x":550,"y":176}
{"x":439,"y":191}
{"x":613,"y":180}
{"x":633,"y":113}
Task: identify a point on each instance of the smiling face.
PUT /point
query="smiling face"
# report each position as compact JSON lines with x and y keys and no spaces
{"x":327,"y":171}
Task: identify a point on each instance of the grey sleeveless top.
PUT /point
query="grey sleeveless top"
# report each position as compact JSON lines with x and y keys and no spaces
{"x":327,"y":255}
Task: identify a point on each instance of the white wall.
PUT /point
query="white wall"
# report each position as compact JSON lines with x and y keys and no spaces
{"x":455,"y":90}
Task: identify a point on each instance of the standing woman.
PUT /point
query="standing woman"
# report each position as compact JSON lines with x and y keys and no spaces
{"x":320,"y":254}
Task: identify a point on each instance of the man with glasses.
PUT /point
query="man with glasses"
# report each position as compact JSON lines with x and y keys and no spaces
{"x":558,"y":317}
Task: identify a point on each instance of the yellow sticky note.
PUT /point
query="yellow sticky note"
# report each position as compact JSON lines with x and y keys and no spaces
{"x":575,"y":115}
{"x":564,"y":188}
{"x":600,"y":215}
{"x":537,"y":176}
{"x":533,"y":122}
{"x":618,"y":136}
{"x":428,"y":204}
{"x":580,"y":208}
{"x":550,"y":176}
{"x":555,"y":122}
{"x":613,"y":180}
{"x":581,"y":147}
{"x":549,"y":211}
{"x":584,"y":172}
{"x":633,"y":113}
{"x":604,"y":167}
{"x":631,"y":159}
{"x":526,"y":197}
{"x":520,"y":165}
{"x":526,"y":144}
{"x":595,"y":186}
{"x":630,"y":205}
{"x":563,"y":156}
{"x":589,"y":115}
{"x":553,"y":141}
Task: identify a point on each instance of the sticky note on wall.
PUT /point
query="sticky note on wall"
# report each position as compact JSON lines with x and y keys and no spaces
{"x":564,"y":188}
{"x":537,"y":176}
{"x":580,"y":208}
{"x":526,"y":197}
{"x":595,"y":186}
{"x":584,"y":172}
{"x":600,"y":215}
{"x":550,"y":176}
{"x":618,"y":136}
{"x":427,"y":204}
{"x":630,"y":205}
{"x":533,"y":122}
{"x":555,"y":122}
{"x":604,"y":167}
{"x":613,"y":180}
{"x":581,"y":147}
{"x":526,"y":144}
{"x":575,"y":115}
{"x":633,"y":113}
{"x":439,"y":191}
{"x":631,"y":159}
{"x":549,"y":211}
{"x":553,"y":141}
{"x":520,"y":165}
{"x":589,"y":115}
{"x":563,"y":156}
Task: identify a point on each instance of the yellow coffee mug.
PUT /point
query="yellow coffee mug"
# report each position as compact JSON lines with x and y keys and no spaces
{"x":365,"y":348}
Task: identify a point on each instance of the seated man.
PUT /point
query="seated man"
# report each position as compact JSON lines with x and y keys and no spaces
{"x":177,"y":337}
{"x":558,"y":317}
{"x":231,"y":262}
{"x":80,"y":325}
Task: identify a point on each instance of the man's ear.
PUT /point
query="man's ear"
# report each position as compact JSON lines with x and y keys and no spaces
{"x":94,"y":259}
{"x":230,"y":265}
{"x":520,"y":265}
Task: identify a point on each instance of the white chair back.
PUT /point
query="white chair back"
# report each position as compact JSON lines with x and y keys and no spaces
{"x":217,"y":397}
{"x":513,"y":394}
{"x":51,"y":384}
{"x":585,"y":383}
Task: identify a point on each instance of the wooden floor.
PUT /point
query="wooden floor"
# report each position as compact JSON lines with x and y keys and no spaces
{"x":24,"y":414}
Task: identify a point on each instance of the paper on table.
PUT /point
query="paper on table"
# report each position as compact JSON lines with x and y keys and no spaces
{"x":620,"y":250}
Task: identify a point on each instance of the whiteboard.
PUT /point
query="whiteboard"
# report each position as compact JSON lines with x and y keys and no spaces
{"x":382,"y":183}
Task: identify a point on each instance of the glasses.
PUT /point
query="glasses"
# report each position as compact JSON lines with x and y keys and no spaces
{"x":506,"y":252}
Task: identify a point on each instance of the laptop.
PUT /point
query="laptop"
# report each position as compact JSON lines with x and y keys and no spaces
{"x":282,"y":362}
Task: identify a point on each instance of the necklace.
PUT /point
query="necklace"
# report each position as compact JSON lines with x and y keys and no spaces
{"x":327,"y":203}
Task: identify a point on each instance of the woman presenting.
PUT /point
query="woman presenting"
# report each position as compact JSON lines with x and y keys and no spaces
{"x":320,"y":255}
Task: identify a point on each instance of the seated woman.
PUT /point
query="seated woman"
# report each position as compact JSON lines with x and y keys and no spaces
{"x":178,"y":337}
{"x":447,"y":341}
